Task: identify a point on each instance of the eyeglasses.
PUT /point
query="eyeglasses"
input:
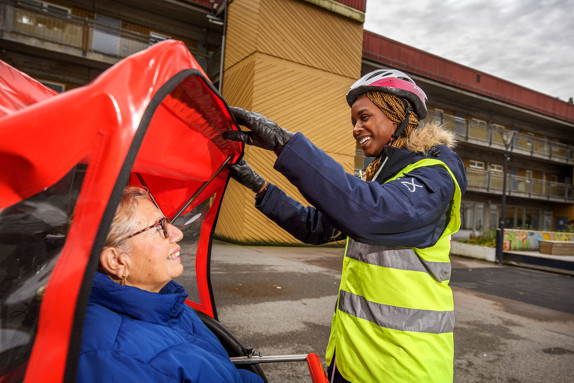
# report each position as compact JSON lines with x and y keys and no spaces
{"x":161,"y":223}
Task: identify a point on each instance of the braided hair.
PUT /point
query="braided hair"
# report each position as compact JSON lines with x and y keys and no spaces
{"x":394,"y":108}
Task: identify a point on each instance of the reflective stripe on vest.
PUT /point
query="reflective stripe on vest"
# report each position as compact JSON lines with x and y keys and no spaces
{"x":398,"y":258}
{"x":398,"y":318}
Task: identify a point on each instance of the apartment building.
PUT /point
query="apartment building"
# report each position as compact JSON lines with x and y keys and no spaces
{"x":494,"y":119}
{"x":246,"y":47}
{"x":66,"y":44}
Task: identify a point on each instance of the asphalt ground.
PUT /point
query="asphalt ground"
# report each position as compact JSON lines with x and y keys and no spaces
{"x":513,"y":325}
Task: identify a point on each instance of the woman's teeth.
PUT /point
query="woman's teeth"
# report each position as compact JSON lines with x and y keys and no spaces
{"x":173,"y":256}
{"x":364,"y":140}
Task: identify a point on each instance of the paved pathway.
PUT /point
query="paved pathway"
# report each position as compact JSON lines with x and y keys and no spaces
{"x":514,"y":325}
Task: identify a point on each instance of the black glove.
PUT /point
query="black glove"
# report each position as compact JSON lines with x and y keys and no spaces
{"x":242,"y":173}
{"x":264,"y":133}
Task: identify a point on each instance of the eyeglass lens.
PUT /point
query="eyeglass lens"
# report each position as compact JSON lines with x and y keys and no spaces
{"x":163,"y":223}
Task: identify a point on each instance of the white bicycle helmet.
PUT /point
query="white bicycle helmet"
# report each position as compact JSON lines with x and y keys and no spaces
{"x":393,"y":82}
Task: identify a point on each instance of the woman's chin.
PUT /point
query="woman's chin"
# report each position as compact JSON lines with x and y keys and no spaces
{"x":177,"y":269}
{"x":368,"y":153}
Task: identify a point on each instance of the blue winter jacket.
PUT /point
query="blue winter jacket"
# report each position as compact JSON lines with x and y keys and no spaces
{"x":132,"y":335}
{"x":410,"y":211}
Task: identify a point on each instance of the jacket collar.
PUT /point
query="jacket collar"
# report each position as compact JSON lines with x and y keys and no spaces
{"x":399,"y":158}
{"x":156,"y":308}
{"x":394,"y":160}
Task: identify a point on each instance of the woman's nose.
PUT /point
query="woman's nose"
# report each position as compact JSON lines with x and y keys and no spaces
{"x":175,"y":235}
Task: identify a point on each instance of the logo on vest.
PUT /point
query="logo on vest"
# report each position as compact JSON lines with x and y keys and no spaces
{"x":412,"y":186}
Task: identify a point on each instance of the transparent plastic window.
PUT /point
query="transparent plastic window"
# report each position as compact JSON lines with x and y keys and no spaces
{"x":32,"y":235}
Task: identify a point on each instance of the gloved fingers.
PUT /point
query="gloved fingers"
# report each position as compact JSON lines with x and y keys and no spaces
{"x":245,"y":175}
{"x":253,"y":120}
{"x":248,"y":138}
{"x":264,"y":133}
{"x":235,"y":135}
{"x":240,"y":167}
{"x":240,"y":114}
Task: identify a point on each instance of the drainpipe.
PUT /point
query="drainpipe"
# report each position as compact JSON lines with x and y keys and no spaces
{"x":221,"y":61}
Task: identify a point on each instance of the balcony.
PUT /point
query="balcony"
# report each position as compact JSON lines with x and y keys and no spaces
{"x":58,"y":31}
{"x":491,"y":182}
{"x":472,"y":132}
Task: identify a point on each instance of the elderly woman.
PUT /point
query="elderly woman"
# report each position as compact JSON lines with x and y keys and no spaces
{"x":137,"y":326}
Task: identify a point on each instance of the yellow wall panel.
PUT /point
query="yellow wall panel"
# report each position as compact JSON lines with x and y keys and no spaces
{"x":238,"y":84}
{"x":309,"y":35}
{"x":292,"y":62}
{"x":242,"y":31}
{"x":295,"y":31}
{"x":307,"y":100}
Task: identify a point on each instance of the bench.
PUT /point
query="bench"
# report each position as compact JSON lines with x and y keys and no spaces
{"x":556,"y":247}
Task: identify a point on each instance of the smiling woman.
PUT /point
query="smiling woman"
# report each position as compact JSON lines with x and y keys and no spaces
{"x":147,"y":258}
{"x":394,"y":316}
{"x":136,"y":316}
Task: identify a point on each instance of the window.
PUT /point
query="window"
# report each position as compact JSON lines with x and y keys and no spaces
{"x":478,"y":216}
{"x":54,"y":86}
{"x":33,"y":234}
{"x":547,"y":220}
{"x":106,"y":38}
{"x":476,"y":164}
{"x":467,"y":216}
{"x":495,"y":168}
{"x":460,"y":124}
{"x":47,"y":7}
{"x":478,"y":122}
{"x":435,"y":115}
{"x":155,"y":38}
{"x":493,"y":216}
{"x":528,"y":175}
{"x":532,"y":221}
{"x":190,"y":225}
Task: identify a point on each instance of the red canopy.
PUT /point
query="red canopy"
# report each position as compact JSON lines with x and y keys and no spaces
{"x":18,"y":90}
{"x":154,"y":115}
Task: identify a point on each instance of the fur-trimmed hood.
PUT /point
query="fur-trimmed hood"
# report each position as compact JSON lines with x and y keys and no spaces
{"x":428,"y":135}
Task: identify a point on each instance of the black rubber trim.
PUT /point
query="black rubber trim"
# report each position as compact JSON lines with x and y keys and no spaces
{"x":232,"y":345}
{"x":208,"y":271}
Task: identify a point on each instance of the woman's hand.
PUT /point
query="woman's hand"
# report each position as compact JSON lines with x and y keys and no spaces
{"x":242,"y":173}
{"x":264,"y":133}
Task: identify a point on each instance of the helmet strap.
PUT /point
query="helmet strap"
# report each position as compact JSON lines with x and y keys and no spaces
{"x":403,"y":124}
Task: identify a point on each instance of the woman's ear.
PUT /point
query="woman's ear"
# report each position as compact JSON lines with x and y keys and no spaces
{"x":113,"y":262}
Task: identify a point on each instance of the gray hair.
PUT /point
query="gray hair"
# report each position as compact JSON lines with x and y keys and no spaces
{"x":123,"y":223}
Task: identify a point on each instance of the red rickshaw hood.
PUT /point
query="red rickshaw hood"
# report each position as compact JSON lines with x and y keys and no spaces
{"x":154,"y":115}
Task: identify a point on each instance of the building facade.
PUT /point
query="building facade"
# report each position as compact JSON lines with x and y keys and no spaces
{"x":484,"y":112}
{"x":293,"y":60}
{"x":66,"y":44}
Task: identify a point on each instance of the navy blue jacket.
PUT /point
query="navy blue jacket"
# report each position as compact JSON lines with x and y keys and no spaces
{"x":132,"y":335}
{"x":410,"y":211}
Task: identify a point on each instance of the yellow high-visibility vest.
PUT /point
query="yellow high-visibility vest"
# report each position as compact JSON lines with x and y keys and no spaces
{"x":394,"y":319}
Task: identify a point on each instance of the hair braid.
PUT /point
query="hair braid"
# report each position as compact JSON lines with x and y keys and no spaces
{"x":395,"y":111}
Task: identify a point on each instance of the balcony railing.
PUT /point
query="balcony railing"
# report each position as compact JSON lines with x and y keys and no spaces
{"x":492,"y":182}
{"x":481,"y":134}
{"x":21,"y":21}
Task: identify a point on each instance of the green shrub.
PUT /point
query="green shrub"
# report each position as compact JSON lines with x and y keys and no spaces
{"x":486,"y":238}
